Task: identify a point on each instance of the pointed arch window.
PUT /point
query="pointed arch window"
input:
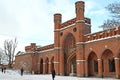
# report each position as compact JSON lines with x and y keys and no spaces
{"x":95,"y":66}
{"x":111,"y":65}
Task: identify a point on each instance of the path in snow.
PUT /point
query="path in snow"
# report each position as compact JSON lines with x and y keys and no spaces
{"x":15,"y":75}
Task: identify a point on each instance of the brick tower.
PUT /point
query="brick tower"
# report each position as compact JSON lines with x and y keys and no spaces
{"x":57,"y":25}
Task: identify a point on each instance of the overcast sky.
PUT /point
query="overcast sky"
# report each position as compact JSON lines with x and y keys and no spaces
{"x":31,"y":21}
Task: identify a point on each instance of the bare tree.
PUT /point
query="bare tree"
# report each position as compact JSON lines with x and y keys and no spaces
{"x":109,"y":24}
{"x":9,"y":48}
{"x":3,"y":57}
{"x":114,"y":9}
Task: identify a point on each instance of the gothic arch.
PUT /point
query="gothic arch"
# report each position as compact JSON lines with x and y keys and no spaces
{"x":108,"y":62}
{"x":66,"y":34}
{"x":92,"y":64}
{"x":71,"y":57}
{"x":41,"y":66}
{"x":107,"y":53}
{"x":118,"y":63}
{"x":52,"y":63}
{"x":69,"y":44}
{"x":118,"y":54}
{"x":69,"y":49}
{"x":46,"y":65}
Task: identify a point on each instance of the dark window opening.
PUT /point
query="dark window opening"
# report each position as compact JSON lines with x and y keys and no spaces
{"x":102,"y":65}
{"x":61,"y":33}
{"x":74,"y":29}
{"x":95,"y":66}
{"x":41,"y":66}
{"x":111,"y":65}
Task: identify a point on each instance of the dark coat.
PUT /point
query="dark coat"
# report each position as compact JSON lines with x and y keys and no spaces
{"x":2,"y":69}
{"x":22,"y":71}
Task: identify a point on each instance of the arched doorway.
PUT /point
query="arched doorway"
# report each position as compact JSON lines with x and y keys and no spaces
{"x":117,"y":65}
{"x":118,"y":69}
{"x":69,"y":49}
{"x":92,"y":64}
{"x":46,"y":65}
{"x":41,"y":66}
{"x":52,"y":63}
{"x":108,"y":63}
{"x":72,"y":67}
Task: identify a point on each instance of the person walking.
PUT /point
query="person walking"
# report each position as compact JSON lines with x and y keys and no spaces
{"x":22,"y":70}
{"x":53,"y":74}
{"x":2,"y":69}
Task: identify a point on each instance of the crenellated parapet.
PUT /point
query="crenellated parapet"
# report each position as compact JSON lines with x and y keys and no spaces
{"x":72,"y":21}
{"x":46,"y":47}
{"x":102,"y":34}
{"x":88,"y":20}
{"x":69,"y":22}
{"x":34,"y":48}
{"x":30,"y":48}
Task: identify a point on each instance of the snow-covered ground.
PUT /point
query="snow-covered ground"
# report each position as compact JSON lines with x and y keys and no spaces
{"x":15,"y":75}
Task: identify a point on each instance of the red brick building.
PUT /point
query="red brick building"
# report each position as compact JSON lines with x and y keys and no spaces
{"x":76,"y":51}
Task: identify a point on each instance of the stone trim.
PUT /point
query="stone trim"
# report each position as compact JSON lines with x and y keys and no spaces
{"x":46,"y":50}
{"x":80,"y":21}
{"x":49,"y":62}
{"x":115,"y":36}
{"x":57,"y":48}
{"x":80,"y":61}
{"x":99,"y":59}
{"x":44,"y":63}
{"x":87,"y":24}
{"x":77,"y":43}
{"x":56,"y":30}
{"x":67,"y":26}
{"x":117,"y":58}
{"x":56,"y":62}
{"x":24,"y":54}
{"x":50,"y":49}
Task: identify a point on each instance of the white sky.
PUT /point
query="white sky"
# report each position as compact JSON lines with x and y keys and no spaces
{"x":31,"y":21}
